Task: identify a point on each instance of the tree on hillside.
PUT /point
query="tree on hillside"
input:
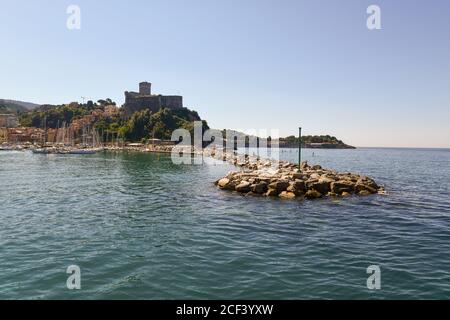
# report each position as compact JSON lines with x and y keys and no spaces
{"x":138,"y":126}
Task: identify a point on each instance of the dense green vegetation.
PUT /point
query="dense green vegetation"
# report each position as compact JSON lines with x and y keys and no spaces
{"x":142,"y":125}
{"x":323,"y":141}
{"x":314,"y":139}
{"x":145,"y":124}
{"x":55,"y":116}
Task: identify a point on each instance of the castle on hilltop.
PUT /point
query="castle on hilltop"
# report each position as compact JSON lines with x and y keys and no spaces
{"x":135,"y":101}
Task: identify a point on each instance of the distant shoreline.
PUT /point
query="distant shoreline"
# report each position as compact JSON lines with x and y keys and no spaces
{"x":408,"y":148}
{"x":317,"y":146}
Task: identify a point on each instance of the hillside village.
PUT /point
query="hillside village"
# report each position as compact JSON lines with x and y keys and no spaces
{"x":144,"y":116}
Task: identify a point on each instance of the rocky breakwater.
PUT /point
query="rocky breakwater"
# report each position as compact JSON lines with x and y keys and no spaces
{"x":288,"y":181}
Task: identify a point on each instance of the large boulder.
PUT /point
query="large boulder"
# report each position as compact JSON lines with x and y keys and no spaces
{"x":327,"y":178}
{"x":362,"y":187}
{"x":349,"y":177}
{"x":287,"y":195}
{"x":264,"y":179}
{"x":342,"y":186}
{"x":259,"y":188}
{"x":310,"y":182}
{"x":368,"y":182}
{"x":304,"y":166}
{"x":243,"y":187}
{"x":298,"y":175}
{"x":364,"y":193}
{"x":297,"y":187}
{"x":321,"y":186}
{"x":280,"y":185}
{"x":314,"y":176}
{"x":313,"y":194}
{"x":272,"y":193}
{"x":226,"y":184}
{"x":300,"y":185}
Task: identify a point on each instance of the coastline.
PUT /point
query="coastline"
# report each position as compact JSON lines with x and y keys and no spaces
{"x":268,"y":177}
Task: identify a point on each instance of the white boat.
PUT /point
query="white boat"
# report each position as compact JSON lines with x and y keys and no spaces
{"x":82,"y":151}
{"x":42,"y":151}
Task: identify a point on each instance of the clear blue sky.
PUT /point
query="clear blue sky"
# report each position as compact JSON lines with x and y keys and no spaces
{"x":247,"y":63}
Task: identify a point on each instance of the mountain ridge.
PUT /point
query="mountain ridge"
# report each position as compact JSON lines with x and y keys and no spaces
{"x":15,"y":106}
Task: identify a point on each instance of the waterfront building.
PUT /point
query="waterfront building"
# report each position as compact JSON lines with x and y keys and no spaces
{"x":8,"y":121}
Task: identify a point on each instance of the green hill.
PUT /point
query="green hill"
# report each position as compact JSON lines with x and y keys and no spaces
{"x":322,"y":141}
{"x":141,"y":125}
{"x":14,"y":106}
{"x":7,"y":108}
{"x":146,"y":124}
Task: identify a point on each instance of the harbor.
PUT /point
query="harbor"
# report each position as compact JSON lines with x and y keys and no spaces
{"x":256,"y":176}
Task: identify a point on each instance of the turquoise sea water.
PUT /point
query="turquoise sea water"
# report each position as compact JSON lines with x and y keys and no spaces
{"x":141,"y":227}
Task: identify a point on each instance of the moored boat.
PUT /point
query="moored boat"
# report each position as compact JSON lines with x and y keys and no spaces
{"x":81,"y":151}
{"x":42,"y":151}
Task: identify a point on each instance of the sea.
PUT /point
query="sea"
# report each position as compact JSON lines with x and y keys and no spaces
{"x":138,"y":226}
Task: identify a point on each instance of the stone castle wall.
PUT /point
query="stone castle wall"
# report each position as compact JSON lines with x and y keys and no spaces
{"x":145,"y":88}
{"x":136,"y":102}
{"x":173,"y":102}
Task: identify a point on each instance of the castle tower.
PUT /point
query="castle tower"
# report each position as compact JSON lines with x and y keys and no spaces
{"x":145,"y":88}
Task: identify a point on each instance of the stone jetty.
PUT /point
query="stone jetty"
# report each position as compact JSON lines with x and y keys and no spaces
{"x":282,"y":179}
{"x":286,"y":180}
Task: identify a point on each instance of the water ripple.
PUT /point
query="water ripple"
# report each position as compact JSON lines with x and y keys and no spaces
{"x":140,"y":227}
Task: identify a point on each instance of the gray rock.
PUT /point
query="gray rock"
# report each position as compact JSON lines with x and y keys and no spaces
{"x":272,"y":193}
{"x":304,"y":166}
{"x":286,"y":180}
{"x":280,"y":185}
{"x":298,"y":175}
{"x":342,"y":186}
{"x":243,"y":187}
{"x":287,"y":195}
{"x":223,"y":182}
{"x":321,"y":186}
{"x":368,"y":182}
{"x":226,"y":184}
{"x":360,"y":187}
{"x":259,"y":188}
{"x":299,"y":186}
{"x":313,"y":194}
{"x":315,"y":176}
{"x":310,"y":182}
{"x":326,"y":178}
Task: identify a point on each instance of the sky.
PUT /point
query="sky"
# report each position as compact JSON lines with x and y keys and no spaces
{"x":245,"y":64}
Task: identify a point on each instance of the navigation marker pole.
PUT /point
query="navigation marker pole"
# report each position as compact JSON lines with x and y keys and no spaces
{"x":299,"y":147}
